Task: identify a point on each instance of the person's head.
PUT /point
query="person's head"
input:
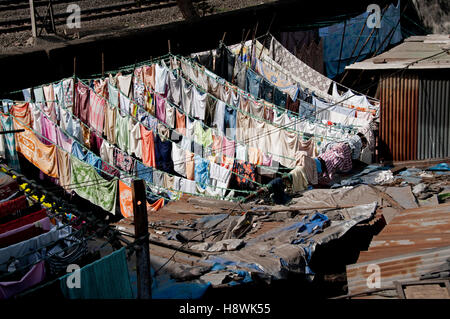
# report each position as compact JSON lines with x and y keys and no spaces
{"x":363,"y":140}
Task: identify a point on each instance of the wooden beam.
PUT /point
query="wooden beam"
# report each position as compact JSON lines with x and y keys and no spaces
{"x":144,"y":279}
{"x":33,"y":19}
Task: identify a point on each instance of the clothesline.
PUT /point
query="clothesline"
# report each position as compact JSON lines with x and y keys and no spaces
{"x":129,"y":116}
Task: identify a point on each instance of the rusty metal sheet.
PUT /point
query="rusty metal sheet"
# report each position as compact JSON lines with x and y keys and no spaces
{"x":411,"y":230}
{"x":398,"y":121}
{"x":400,"y":268}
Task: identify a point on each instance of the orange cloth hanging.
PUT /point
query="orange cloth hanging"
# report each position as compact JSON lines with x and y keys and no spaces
{"x":126,"y":200}
{"x":148,"y":147}
{"x":41,"y":155}
{"x":156,"y":205}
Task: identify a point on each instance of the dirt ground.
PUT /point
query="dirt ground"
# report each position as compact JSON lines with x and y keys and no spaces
{"x":123,"y":22}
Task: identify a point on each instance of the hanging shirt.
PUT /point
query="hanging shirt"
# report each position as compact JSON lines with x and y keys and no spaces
{"x":122,"y":132}
{"x":48,"y":130}
{"x":181,"y":122}
{"x":109,"y":127}
{"x":244,"y":175}
{"x":125,"y":105}
{"x":230,"y":122}
{"x":68,"y":93}
{"x":113,"y":95}
{"x":163,"y":152}
{"x":170,"y":115}
{"x":36,"y":118}
{"x":107,"y":152}
{"x":201,"y":171}
{"x":49,"y":107}
{"x":124,"y":84}
{"x":219,"y":117}
{"x":139,"y":87}
{"x":144,"y":172}
{"x":97,"y":112}
{"x":216,"y":147}
{"x":123,"y":161}
{"x":161,"y":78}
{"x":186,"y":97}
{"x":160,"y":108}
{"x":241,"y":152}
{"x":149,"y":76}
{"x":198,"y":104}
{"x":81,"y":108}
{"x":188,"y":186}
{"x":148,"y":147}
{"x":190,"y":165}
{"x":63,"y":141}
{"x":136,"y":141}
{"x":174,"y":89}
{"x":179,"y":159}
{"x":228,"y":147}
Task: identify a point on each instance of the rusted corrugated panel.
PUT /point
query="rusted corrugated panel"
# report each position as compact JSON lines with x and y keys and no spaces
{"x":413,"y":243}
{"x":411,"y":230}
{"x":398,"y":121}
{"x":434,"y":117}
{"x":398,"y":268}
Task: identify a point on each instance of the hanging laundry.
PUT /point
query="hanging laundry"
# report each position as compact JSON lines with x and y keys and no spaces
{"x":299,"y":69}
{"x":122,"y":131}
{"x":310,"y":167}
{"x":49,"y":107}
{"x":179,"y":157}
{"x":253,"y":82}
{"x":36,"y":118}
{"x":239,"y":74}
{"x":201,"y":171}
{"x":230,"y":122}
{"x":220,"y":177}
{"x":228,"y":147}
{"x":63,"y":141}
{"x":149,"y":76}
{"x":26,"y":95}
{"x":22,"y":113}
{"x":97,"y":112}
{"x":160,"y":108}
{"x":244,"y":175}
{"x":299,"y":180}
{"x":25,"y":232}
{"x":106,"y":278}
{"x":126,"y":200}
{"x":338,"y":159}
{"x":68,"y":93}
{"x":148,"y":147}
{"x":123,"y":161}
{"x":34,"y":276}
{"x":41,"y":155}
{"x":81,"y":107}
{"x":190,"y":165}
{"x":124,"y":85}
{"x":63,"y":159}
{"x":241,"y":152}
{"x":144,"y":172}
{"x":174,"y":88}
{"x":161,"y":78}
{"x":91,"y":186}
{"x":255,"y":156}
{"x":163,"y":152}
{"x":48,"y":131}
{"x":86,"y":136}
{"x":168,"y":181}
{"x":10,"y":206}
{"x":170,"y":115}
{"x":125,"y":105}
{"x":198,"y":105}
{"x":187,"y":94}
{"x":181,"y":123}
{"x":139,"y":87}
{"x":219,"y":117}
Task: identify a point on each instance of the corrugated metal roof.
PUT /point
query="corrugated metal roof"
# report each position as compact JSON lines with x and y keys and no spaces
{"x":415,"y":242}
{"x":412,"y":49}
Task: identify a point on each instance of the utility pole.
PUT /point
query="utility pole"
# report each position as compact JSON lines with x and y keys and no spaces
{"x":33,"y":19}
{"x":144,"y":279}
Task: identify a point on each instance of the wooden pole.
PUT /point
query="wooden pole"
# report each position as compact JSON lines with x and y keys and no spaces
{"x":168,"y":45}
{"x":52,"y":19}
{"x":144,"y":279}
{"x":103,"y":64}
{"x":33,"y":19}
{"x":342,"y":44}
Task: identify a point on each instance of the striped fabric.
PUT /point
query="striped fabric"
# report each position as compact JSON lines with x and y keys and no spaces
{"x":97,"y":112}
